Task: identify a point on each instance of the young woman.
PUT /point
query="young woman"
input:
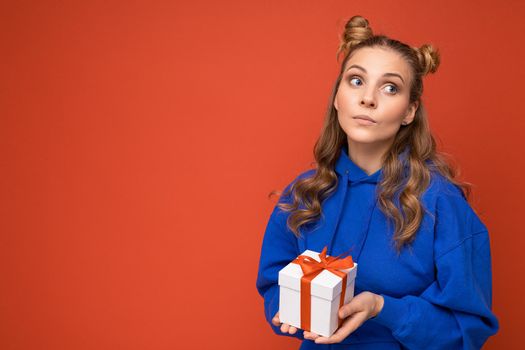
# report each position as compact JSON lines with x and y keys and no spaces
{"x":381,"y":190}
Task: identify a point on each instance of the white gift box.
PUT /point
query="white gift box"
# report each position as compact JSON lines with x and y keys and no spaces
{"x":325,"y":294}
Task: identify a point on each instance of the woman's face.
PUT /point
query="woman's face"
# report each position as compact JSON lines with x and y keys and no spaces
{"x":375,"y":84}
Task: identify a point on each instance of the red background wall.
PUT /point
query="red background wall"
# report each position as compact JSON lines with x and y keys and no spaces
{"x":139,"y":141}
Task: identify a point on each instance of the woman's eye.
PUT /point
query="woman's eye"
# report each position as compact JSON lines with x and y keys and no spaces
{"x":354,"y":79}
{"x":393,"y":90}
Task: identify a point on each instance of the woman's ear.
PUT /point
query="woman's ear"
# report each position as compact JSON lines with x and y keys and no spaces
{"x":411,"y":113}
{"x":335,"y":103}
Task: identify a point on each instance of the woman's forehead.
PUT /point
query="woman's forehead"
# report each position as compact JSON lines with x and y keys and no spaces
{"x":378,"y":60}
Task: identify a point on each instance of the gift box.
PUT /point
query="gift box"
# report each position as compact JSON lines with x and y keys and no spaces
{"x":312,"y":288}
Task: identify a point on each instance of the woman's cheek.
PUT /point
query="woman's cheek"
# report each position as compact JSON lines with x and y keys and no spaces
{"x":389,"y":128}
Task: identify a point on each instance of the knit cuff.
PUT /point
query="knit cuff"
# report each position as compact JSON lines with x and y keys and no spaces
{"x":392,"y":313}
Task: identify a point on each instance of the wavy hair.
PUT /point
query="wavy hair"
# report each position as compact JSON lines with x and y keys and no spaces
{"x":396,"y":183}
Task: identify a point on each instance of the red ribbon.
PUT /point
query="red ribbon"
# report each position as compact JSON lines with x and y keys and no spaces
{"x":311,"y":268}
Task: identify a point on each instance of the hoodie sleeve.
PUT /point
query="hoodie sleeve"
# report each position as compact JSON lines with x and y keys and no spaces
{"x":279,"y":247}
{"x":454,"y":312}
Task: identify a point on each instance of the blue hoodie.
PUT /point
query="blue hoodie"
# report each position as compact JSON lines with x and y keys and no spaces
{"x":437,"y":293}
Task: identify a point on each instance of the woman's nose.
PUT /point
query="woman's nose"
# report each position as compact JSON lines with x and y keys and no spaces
{"x":368,"y":102}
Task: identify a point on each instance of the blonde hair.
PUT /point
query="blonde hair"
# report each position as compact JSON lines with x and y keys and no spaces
{"x":422,"y":158}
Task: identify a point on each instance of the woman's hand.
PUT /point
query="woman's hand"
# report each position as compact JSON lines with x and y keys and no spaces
{"x":363,"y":306}
{"x":285,"y":328}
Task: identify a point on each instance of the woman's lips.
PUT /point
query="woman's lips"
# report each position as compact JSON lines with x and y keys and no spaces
{"x":363,"y":120}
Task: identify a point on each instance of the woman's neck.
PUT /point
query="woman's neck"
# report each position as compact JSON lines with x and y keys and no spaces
{"x":368,"y":157}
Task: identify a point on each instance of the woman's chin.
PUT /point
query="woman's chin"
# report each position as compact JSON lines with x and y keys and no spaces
{"x":362,"y":137}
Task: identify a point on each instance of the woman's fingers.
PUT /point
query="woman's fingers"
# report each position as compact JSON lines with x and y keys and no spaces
{"x":310,"y":335}
{"x":275,"y":320}
{"x":285,"y":328}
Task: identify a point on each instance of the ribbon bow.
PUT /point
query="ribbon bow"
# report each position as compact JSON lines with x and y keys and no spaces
{"x":311,"y":268}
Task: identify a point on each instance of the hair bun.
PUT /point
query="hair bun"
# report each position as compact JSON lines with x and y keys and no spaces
{"x":428,"y":57}
{"x":356,"y":31}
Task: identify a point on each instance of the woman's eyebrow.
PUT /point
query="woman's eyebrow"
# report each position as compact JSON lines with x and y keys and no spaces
{"x":385,"y":75}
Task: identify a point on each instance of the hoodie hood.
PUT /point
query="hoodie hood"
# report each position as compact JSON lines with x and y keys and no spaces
{"x":352,"y":174}
{"x":345,"y":166}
